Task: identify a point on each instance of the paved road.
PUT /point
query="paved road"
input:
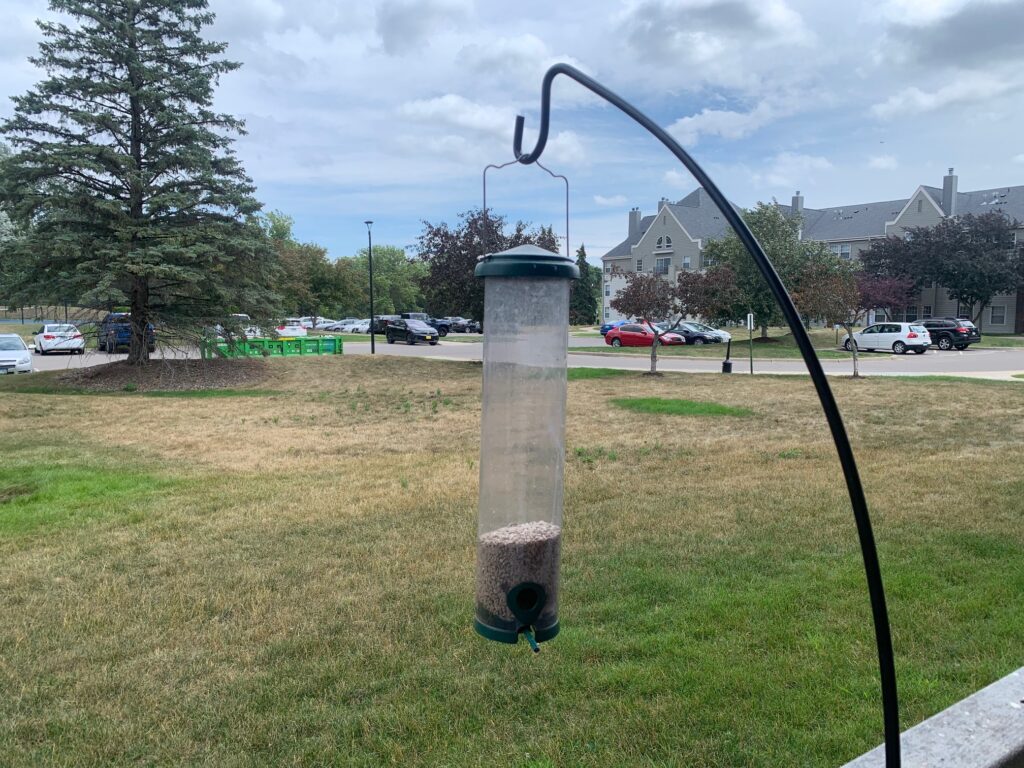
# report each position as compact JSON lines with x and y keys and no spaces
{"x":982,"y":363}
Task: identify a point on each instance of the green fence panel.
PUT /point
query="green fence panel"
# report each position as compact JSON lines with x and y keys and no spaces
{"x":287,"y":347}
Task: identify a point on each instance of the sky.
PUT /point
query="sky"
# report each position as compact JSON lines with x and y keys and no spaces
{"x":390,"y":109}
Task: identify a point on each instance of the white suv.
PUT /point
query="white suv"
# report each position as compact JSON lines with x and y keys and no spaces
{"x":897,"y":337}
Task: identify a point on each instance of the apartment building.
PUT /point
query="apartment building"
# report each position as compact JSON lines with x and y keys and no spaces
{"x":671,"y":240}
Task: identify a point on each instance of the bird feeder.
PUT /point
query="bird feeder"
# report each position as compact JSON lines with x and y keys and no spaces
{"x":522,"y":442}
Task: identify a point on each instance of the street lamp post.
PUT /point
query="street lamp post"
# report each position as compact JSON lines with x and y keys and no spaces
{"x":369,"y":238}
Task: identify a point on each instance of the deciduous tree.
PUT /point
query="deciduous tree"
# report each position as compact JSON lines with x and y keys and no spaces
{"x":778,"y":234}
{"x":973,"y":257}
{"x":648,"y":298}
{"x":451,"y":253}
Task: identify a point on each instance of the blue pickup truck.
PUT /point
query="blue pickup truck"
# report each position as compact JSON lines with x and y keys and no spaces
{"x":116,"y":331}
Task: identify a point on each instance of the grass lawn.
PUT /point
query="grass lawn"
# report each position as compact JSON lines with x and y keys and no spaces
{"x":287,"y":578}
{"x":988,"y":340}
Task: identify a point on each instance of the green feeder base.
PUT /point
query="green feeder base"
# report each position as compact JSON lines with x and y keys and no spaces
{"x":512,"y":637}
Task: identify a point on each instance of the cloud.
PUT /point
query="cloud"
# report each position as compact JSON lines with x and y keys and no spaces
{"x":679,"y":180}
{"x":791,"y":169}
{"x":405,"y":26}
{"x":915,"y":12}
{"x":1018,"y":158}
{"x":615,"y":201}
{"x":882,"y":162}
{"x":565,"y":148}
{"x":973,"y":35}
{"x":456,"y":111}
{"x":966,"y":89}
{"x":719,"y":42}
{"x":725,"y":123}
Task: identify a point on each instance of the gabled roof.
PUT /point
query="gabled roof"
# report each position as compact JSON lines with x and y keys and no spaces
{"x":697,"y":214}
{"x":850,"y":222}
{"x":1007,"y":200}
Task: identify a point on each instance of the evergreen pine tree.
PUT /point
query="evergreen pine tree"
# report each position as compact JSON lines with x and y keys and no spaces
{"x":583,"y":301}
{"x":126,"y":174}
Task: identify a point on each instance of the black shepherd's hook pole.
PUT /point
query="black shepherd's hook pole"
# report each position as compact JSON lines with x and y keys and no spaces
{"x":883,"y":638}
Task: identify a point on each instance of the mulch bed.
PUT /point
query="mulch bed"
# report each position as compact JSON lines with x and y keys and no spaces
{"x":176,"y":375}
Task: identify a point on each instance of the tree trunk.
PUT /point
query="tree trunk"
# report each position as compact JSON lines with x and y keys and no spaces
{"x":654,"y":354}
{"x":764,"y":330}
{"x":853,"y":350}
{"x":138,"y":351}
{"x":977,"y":317}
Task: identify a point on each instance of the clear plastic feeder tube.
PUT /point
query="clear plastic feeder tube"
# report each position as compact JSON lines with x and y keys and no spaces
{"x":522,"y":442}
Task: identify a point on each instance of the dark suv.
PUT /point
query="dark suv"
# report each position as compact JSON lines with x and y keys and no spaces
{"x":411,"y":331}
{"x":116,"y":331}
{"x":952,"y":332}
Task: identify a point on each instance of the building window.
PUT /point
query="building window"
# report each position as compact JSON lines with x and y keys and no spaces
{"x":997,"y":314}
{"x":607,"y":269}
{"x":639,"y":265}
{"x":686,"y":262}
{"x":920,"y":205}
{"x":661,"y":266}
{"x":607,"y":289}
{"x":926,"y":311}
{"x":660,"y":243}
{"x":842,"y":250}
{"x":708,"y":261}
{"x":911,"y":315}
{"x":606,"y":311}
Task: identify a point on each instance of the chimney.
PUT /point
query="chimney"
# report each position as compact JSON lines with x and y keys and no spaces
{"x":949,"y":193}
{"x":634,"y":224}
{"x":662,"y":203}
{"x":798,"y":202}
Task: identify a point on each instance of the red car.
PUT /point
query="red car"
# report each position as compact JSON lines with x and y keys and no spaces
{"x":634,"y":335}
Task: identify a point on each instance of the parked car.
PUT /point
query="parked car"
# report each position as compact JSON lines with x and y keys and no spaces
{"x":360,"y":326}
{"x":322,"y":323}
{"x":608,"y":326}
{"x":723,"y":336}
{"x":897,"y":337}
{"x":411,"y":331}
{"x":694,"y":336}
{"x":241,"y":325}
{"x":636,"y":335}
{"x":14,"y":354}
{"x":440,"y":324}
{"x":59,"y":337}
{"x":343,"y":325}
{"x":381,"y":322}
{"x":291,"y":327}
{"x":951,"y":332}
{"x":115,"y":331}
{"x":464,"y":325}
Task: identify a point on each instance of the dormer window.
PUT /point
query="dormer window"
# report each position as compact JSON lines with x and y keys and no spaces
{"x":663,"y":243}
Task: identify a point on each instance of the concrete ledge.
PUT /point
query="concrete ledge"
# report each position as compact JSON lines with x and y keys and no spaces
{"x":985,"y":730}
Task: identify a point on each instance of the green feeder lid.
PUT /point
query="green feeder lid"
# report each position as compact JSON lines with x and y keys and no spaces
{"x":527,"y":261}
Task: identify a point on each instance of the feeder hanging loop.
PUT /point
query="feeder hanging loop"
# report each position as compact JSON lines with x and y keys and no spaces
{"x":872,"y":569}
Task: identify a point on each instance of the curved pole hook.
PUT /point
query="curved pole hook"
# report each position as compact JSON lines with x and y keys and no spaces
{"x":872,"y":569}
